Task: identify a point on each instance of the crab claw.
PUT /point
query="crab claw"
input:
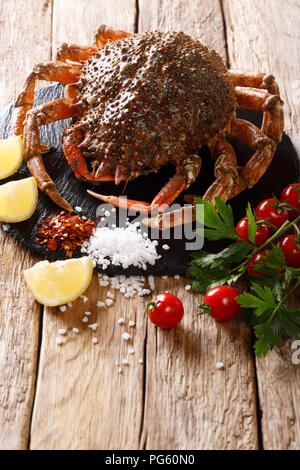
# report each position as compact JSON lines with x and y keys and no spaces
{"x":123,"y":202}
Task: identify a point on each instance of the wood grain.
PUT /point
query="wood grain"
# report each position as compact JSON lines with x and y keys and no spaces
{"x":21,"y":46}
{"x":176,"y":399}
{"x":189,"y":404}
{"x":265,"y":36}
{"x":82,"y":402}
{"x":76,"y":21}
{"x":201,"y":19}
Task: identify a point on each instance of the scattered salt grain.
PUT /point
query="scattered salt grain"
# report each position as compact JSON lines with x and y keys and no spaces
{"x":125,"y":362}
{"x":63,"y":308}
{"x":151,"y":282}
{"x":93,"y":326}
{"x":219,"y":365}
{"x":131,"y":351}
{"x":141,"y":361}
{"x":164,"y":277}
{"x":121,"y":321}
{"x":126,"y":336}
{"x":78,"y":209}
{"x":61,"y":331}
{"x":100,"y":304}
{"x":177,"y":276}
{"x":117,"y":364}
{"x":75,"y":330}
{"x":94,"y":341}
{"x":131,"y":323}
{"x":70,"y":304}
{"x":84,"y":298}
{"x":129,"y":286}
{"x":165,"y":247}
{"x":59,"y":341}
{"x":121,"y":246}
{"x":88,"y":313}
{"x":85,"y":319}
{"x":110,"y":295}
{"x":120,"y":370}
{"x":188,"y":287}
{"x":109,"y":302}
{"x":146,"y":291}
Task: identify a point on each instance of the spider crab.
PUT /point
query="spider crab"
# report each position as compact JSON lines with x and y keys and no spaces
{"x":141,"y":101}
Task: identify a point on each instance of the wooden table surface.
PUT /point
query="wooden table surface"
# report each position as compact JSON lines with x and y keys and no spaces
{"x":71,"y":397}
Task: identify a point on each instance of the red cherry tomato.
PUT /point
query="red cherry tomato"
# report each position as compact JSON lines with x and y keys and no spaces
{"x":292,"y":197}
{"x":265,"y":211}
{"x":261,"y":236}
{"x":221,"y":300}
{"x":165,"y":311}
{"x":254,"y":260}
{"x":291,"y":251}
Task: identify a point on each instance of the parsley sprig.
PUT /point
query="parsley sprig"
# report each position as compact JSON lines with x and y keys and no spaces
{"x":265,"y":305}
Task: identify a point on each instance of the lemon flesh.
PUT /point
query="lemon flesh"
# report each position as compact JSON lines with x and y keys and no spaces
{"x":60,"y":282}
{"x":18,"y":200}
{"x":11,"y":155}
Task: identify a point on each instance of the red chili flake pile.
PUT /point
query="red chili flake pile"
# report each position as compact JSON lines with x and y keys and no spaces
{"x":65,"y":232}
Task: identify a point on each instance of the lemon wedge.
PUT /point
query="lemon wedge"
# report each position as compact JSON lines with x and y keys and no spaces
{"x":11,"y":155}
{"x":60,"y":282}
{"x":18,"y":200}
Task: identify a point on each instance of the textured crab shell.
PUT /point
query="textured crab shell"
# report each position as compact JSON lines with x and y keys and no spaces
{"x":151,"y":99}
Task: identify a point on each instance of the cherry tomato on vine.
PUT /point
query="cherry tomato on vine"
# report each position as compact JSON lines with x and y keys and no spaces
{"x":265,"y":211}
{"x":261,"y":236}
{"x":292,"y":197}
{"x":253,"y":262}
{"x":165,"y":310}
{"x":221,"y":300}
{"x":291,"y":251}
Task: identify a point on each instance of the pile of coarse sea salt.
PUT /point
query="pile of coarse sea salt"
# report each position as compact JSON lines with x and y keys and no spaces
{"x":121,"y":246}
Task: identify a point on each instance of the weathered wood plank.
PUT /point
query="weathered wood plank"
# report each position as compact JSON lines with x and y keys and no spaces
{"x":21,"y":46}
{"x":189,"y":404}
{"x":82,"y":402}
{"x":265,"y":36}
{"x":76,"y":21}
{"x":201,"y":19}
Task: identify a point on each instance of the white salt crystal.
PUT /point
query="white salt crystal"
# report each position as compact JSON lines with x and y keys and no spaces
{"x":126,"y":336}
{"x":219,"y":365}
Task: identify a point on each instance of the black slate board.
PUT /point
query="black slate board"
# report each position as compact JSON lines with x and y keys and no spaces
{"x":282,"y":171}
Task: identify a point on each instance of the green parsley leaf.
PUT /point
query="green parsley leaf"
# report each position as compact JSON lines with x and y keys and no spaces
{"x":252,"y":225}
{"x":218,"y":220}
{"x":261,"y":302}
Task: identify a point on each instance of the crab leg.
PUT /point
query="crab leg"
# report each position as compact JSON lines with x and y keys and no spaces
{"x":106,"y":34}
{"x":76,"y":160}
{"x":254,"y":80}
{"x":185,"y":175}
{"x":55,"y":110}
{"x":272,"y":105}
{"x":74,"y":52}
{"x":53,"y":71}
